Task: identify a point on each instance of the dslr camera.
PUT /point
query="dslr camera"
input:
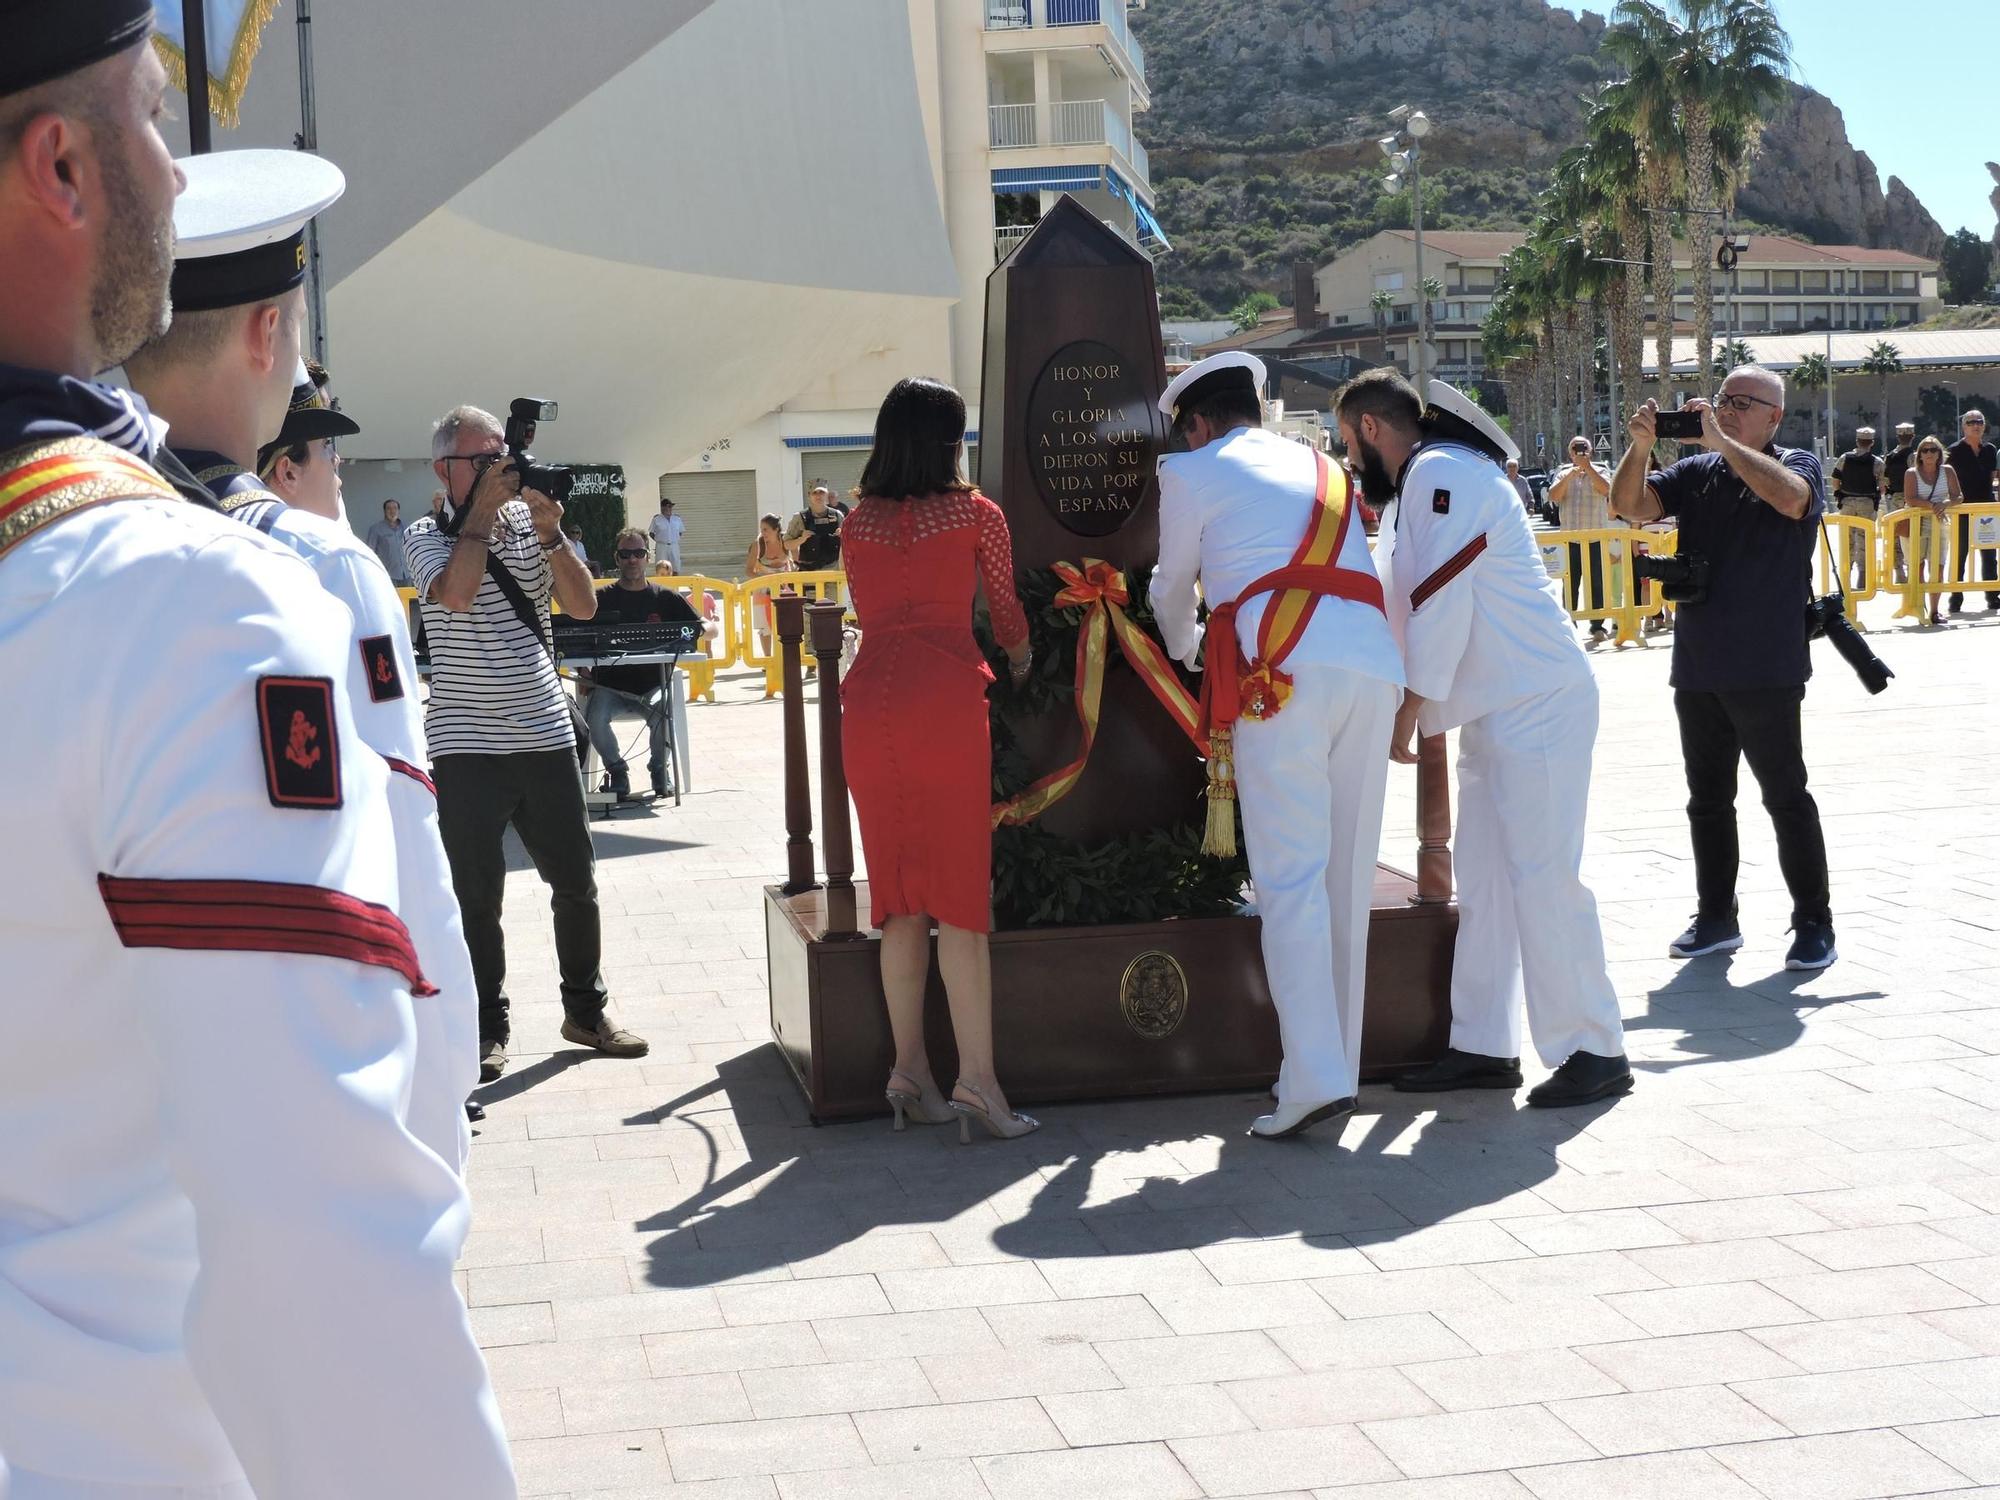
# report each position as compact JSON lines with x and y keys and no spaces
{"x":1683,"y":578}
{"x":524,"y":414}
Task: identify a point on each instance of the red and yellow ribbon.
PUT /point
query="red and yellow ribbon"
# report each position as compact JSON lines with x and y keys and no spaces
{"x":1102,"y":591}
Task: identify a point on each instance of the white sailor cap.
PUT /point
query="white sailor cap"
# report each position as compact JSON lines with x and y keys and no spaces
{"x":1451,"y":404}
{"x":239,"y":228}
{"x":1231,"y":370}
{"x":1864,"y":432}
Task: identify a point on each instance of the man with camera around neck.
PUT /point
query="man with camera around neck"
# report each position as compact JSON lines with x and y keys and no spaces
{"x":502,"y":743}
{"x":1751,"y":510}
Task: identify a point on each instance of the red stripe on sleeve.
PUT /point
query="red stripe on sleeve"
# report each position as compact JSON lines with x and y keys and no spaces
{"x":1456,"y":564}
{"x":414,"y":773}
{"x":258,"y":916}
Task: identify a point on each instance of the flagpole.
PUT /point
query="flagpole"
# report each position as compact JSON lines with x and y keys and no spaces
{"x":308,"y":140}
{"x":194,"y":36}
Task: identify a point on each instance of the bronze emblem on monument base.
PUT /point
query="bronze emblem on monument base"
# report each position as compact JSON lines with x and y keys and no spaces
{"x":1153,"y":995}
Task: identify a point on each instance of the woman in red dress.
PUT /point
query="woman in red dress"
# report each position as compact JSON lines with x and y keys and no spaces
{"x":914,"y":738}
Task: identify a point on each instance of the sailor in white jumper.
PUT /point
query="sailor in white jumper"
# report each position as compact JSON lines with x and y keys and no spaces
{"x":1489,"y":651}
{"x":1317,"y":698}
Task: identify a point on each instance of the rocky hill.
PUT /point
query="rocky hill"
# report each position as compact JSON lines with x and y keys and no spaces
{"x":1265,"y":114}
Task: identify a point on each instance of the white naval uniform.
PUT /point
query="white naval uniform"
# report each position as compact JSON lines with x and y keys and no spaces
{"x":1489,"y":647}
{"x":1311,"y":777}
{"x":225,"y":1262}
{"x":389,"y":719}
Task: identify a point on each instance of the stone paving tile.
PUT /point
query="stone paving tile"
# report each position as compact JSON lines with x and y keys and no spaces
{"x":1646,"y":1476}
{"x":1133,"y":1471}
{"x":1840,"y":1466}
{"x":1693,"y":1416}
{"x":1507,"y":1437}
{"x":1258,"y":1463}
{"x":1795,"y":1216}
{"x":967,"y":1429}
{"x":1849,"y":1400}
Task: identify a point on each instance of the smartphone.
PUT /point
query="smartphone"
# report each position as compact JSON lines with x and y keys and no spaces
{"x":1678,"y":425}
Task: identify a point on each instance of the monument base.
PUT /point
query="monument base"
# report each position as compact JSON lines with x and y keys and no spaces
{"x":1097,"y":1012}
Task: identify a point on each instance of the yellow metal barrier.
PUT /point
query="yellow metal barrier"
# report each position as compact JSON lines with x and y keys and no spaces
{"x":1939,"y":568}
{"x":1843,"y":542}
{"x":755,"y":633}
{"x":1620,"y":599}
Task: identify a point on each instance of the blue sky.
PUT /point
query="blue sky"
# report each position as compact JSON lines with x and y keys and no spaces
{"x":1917,"y":85}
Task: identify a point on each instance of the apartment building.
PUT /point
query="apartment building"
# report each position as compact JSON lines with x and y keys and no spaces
{"x":1025,"y":100}
{"x":715,"y":231}
{"x":1779,"y":285}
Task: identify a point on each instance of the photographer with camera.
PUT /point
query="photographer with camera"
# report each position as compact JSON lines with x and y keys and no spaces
{"x":502,"y":740}
{"x":1748,"y":513}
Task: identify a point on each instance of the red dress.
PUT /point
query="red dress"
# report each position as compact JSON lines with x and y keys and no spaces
{"x":913,"y":732}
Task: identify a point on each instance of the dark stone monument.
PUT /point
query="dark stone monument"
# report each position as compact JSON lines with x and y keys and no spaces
{"x":1070,"y":432}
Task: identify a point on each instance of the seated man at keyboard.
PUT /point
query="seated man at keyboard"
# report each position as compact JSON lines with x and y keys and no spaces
{"x":631,"y":600}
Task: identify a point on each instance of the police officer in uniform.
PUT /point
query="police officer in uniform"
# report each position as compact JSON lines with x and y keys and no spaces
{"x":225,"y":1262}
{"x":228,"y":379}
{"x":1490,"y":652}
{"x":1857,"y":484}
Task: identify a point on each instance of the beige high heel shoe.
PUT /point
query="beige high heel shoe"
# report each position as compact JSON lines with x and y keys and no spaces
{"x":923,"y":1103}
{"x":1012,"y":1126}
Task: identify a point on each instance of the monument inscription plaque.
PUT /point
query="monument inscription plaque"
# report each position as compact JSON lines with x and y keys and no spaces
{"x":1090,"y":437}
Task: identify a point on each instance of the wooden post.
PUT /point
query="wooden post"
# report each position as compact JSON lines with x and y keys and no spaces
{"x":1433,"y":822}
{"x":826,"y":618}
{"x":791,"y":618}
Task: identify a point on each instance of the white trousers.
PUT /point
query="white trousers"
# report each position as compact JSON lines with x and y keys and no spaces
{"x":1311,"y":780}
{"x":1526,"y":920}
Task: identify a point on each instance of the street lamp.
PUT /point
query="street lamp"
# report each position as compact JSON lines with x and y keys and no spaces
{"x":1405,"y":152}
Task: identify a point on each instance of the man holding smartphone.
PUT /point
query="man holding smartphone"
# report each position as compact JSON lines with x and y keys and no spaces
{"x":1751,"y":509}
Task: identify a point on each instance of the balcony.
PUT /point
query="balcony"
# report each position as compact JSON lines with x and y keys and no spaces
{"x":1055,"y":15}
{"x":1007,"y":236}
{"x":1071,"y":122}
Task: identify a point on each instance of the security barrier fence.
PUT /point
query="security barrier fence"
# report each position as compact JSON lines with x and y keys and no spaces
{"x":1907,"y":553}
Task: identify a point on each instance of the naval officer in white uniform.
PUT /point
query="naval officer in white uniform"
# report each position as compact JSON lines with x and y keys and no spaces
{"x":1490,"y":652}
{"x":1310,"y":774}
{"x":227,"y":379}
{"x":225,"y":1261}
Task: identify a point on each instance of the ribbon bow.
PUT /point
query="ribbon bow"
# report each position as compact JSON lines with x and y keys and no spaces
{"x":1101,"y":590}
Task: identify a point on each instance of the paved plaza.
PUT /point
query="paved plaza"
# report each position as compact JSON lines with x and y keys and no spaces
{"x":1773,"y":1270}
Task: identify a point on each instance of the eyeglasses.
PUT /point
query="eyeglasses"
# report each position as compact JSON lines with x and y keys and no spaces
{"x":631,"y":551}
{"x":1743,"y":403}
{"x":475,"y":458}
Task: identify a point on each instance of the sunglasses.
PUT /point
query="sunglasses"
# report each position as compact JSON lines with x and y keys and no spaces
{"x":631,"y":551}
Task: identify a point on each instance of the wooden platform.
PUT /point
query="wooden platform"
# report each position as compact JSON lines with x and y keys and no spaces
{"x":1098,"y":1012}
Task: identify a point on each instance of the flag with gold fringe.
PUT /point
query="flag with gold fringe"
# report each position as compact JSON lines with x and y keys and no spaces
{"x":235,"y":31}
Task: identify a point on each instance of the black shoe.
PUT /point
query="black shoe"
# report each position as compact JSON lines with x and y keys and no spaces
{"x":1584,"y":1079}
{"x":1462,"y":1070}
{"x":1812,"y":946}
{"x":1707,"y":935}
{"x":1957,"y":603}
{"x":474,"y":1111}
{"x":492,"y":1061}
{"x":1598,"y":632}
{"x":661,"y":787}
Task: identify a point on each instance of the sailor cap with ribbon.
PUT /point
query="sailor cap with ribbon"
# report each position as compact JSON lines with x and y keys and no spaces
{"x":310,"y":417}
{"x":1449,"y":413}
{"x":240,"y":227}
{"x":1232,"y":370}
{"x":50,"y":39}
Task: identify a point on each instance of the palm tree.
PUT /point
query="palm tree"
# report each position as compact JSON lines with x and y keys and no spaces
{"x":1813,"y":375}
{"x":1429,"y":291}
{"x":1732,"y":354}
{"x":1882,"y":360}
{"x":1641,"y":106}
{"x":1379,"y":303}
{"x":1723,"y":64}
{"x":1617,"y":173}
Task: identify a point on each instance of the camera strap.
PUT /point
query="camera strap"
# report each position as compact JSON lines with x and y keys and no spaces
{"x":517,"y":596}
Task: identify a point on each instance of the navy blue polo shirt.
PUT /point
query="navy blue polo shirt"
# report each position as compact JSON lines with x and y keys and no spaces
{"x":1750,"y":632}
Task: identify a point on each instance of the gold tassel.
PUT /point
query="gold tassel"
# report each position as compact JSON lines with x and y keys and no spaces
{"x":1219,"y":837}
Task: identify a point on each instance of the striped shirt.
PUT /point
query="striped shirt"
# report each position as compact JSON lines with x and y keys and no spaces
{"x":493,"y":687}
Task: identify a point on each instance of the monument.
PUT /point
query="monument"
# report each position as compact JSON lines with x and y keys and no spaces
{"x":1070,"y":436}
